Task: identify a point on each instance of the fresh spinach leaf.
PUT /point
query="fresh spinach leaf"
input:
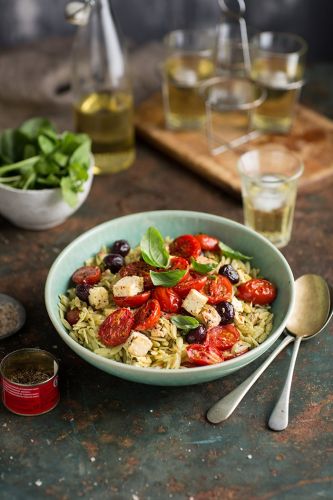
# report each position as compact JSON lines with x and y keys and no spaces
{"x":233,"y":254}
{"x":167,"y":278}
{"x":184,"y":322}
{"x":153,"y":249}
{"x":35,"y":126}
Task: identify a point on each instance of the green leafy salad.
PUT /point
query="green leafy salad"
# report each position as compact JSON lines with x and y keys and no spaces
{"x":35,"y":156}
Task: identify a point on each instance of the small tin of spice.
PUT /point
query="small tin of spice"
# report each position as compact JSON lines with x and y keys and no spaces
{"x":29,"y":382}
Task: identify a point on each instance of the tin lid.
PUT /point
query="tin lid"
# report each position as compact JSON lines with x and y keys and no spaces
{"x":12,"y":315}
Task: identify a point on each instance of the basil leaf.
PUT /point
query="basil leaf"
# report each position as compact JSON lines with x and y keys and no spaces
{"x":153,"y":249}
{"x":184,"y":322}
{"x":233,"y":254}
{"x":167,"y":278}
{"x":202,"y":268}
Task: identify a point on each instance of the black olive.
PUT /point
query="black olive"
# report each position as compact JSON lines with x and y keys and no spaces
{"x":226,"y":311}
{"x":121,"y":247}
{"x":230,"y":272}
{"x":196,"y":336}
{"x":114,"y":262}
{"x":82,"y":291}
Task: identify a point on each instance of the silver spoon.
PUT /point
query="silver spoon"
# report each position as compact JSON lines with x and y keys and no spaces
{"x":280,"y":415}
{"x":224,"y":407}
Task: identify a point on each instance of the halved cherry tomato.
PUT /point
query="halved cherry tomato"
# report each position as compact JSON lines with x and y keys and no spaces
{"x":116,"y":328}
{"x":196,"y":281}
{"x":258,"y":291}
{"x":203,"y":355}
{"x":147,"y":315}
{"x":87,"y":274}
{"x":207,"y":242}
{"x":180,"y":263}
{"x":186,"y":246}
{"x":134,"y":301}
{"x":138,"y":269}
{"x":168,"y":299}
{"x":72,"y":316}
{"x":218,"y":289}
{"x":222,"y":337}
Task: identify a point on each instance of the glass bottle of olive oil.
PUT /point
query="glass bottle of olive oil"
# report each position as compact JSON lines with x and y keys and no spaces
{"x":103,"y":99}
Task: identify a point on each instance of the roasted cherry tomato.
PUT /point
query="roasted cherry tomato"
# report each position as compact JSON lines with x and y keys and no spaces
{"x":147,"y":315}
{"x":258,"y":291}
{"x":138,"y":269}
{"x":116,"y":328}
{"x":134,"y":301}
{"x":72,"y":316}
{"x":168,"y":299}
{"x":196,"y":281}
{"x":222,"y":337}
{"x":208,"y":242}
{"x":199,"y":354}
{"x":87,"y":274}
{"x":218,"y":289}
{"x":180,"y":263}
{"x":186,"y":246}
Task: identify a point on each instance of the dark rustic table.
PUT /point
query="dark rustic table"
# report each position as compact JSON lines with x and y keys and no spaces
{"x":109,"y":438}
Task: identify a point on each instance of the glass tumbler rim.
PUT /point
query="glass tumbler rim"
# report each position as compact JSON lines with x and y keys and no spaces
{"x":302,"y":42}
{"x":245,"y":106}
{"x":296,"y":170}
{"x":183,"y":34}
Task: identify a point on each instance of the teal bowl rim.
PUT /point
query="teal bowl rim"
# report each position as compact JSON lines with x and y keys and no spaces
{"x":245,"y":358}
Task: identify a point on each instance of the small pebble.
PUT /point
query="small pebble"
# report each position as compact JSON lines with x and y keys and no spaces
{"x":249,"y":457}
{"x":92,"y":459}
{"x":38,"y":482}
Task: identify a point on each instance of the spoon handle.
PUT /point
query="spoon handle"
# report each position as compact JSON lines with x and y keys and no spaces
{"x":224,"y":407}
{"x":279,"y":418}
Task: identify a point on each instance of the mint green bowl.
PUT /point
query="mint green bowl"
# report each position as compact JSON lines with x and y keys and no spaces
{"x":172,"y":223}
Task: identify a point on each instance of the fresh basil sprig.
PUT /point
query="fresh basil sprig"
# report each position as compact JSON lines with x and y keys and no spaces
{"x":167,"y":278}
{"x":153,"y":249}
{"x":202,"y":268}
{"x":184,"y":322}
{"x":233,"y":254}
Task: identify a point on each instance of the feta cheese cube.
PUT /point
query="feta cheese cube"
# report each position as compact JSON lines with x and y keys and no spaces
{"x":138,"y":344}
{"x":238,"y":306}
{"x":209,"y":316}
{"x":194,"y":302}
{"x":98,"y":297}
{"x":128,"y":286}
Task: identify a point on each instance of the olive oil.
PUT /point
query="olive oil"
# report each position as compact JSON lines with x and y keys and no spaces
{"x":107,"y":117}
{"x":183,"y":98}
{"x":276,"y":112}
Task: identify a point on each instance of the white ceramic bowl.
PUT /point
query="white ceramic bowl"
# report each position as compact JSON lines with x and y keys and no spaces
{"x":39,"y":209}
{"x":172,"y":223}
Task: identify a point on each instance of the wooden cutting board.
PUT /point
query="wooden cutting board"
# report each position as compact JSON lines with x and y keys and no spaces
{"x":311,"y":138}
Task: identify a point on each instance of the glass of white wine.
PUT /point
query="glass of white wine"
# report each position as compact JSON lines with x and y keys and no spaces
{"x":277,"y":65}
{"x":269,"y":177}
{"x":189,"y":62}
{"x":230,"y":104}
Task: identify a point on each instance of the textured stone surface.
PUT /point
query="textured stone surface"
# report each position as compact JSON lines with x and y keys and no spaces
{"x":109,"y":438}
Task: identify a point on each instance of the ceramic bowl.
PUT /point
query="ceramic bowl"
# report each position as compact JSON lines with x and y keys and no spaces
{"x":172,"y":223}
{"x":39,"y":209}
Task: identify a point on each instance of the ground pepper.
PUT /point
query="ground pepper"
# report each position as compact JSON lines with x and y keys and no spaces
{"x":9,"y":318}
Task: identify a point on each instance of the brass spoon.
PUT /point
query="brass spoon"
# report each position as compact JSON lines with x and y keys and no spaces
{"x":303,"y":323}
{"x":309,"y":284}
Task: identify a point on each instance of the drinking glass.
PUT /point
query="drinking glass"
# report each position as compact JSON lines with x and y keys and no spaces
{"x":269,"y":178}
{"x":190,"y":61}
{"x":277,"y":64}
{"x":230,"y":103}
